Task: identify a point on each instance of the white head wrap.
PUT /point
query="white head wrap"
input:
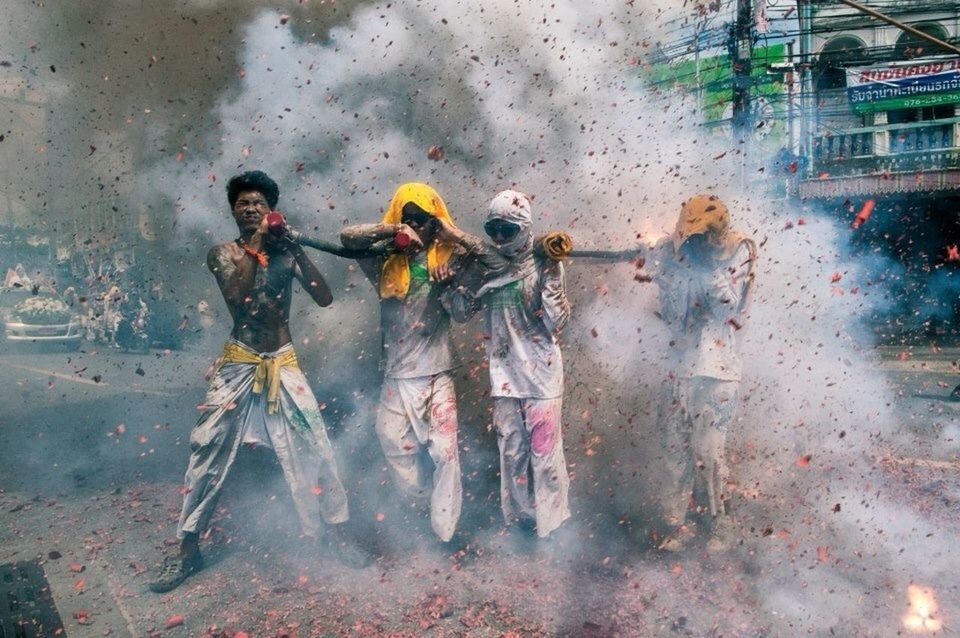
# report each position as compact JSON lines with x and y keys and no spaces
{"x":513,"y":207}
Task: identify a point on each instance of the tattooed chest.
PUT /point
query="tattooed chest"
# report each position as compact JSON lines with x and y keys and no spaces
{"x":271,"y":288}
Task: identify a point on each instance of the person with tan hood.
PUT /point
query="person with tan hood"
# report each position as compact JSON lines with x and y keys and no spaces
{"x":705,"y":274}
{"x":417,"y":417}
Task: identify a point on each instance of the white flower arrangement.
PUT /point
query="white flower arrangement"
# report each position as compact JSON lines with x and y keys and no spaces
{"x":41,"y":310}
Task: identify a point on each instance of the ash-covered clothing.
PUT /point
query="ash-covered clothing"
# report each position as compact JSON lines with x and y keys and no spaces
{"x":417,"y":416}
{"x":522,"y":319}
{"x":417,"y":428}
{"x":239,"y":408}
{"x":702,"y":304}
{"x":694,"y":416}
{"x":533,"y":471}
{"x":525,"y":307}
{"x":415,"y":329}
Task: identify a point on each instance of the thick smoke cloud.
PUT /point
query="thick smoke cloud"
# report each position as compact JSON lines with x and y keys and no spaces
{"x":548,"y":100}
{"x":341,"y":107}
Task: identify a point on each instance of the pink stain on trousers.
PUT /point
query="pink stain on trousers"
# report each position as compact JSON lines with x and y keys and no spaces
{"x":443,"y":416}
{"x":543,"y":431}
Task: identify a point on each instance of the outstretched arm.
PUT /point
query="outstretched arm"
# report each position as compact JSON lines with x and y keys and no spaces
{"x":309,"y":277}
{"x":360,"y":236}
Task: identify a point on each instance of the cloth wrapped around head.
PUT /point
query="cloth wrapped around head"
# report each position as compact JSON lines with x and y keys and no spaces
{"x":513,"y":207}
{"x":706,"y":215}
{"x":395,"y":275}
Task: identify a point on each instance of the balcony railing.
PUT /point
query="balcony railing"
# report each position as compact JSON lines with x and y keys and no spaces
{"x":929,"y":144}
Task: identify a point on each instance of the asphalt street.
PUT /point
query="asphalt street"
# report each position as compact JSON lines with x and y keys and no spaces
{"x":94,"y":446}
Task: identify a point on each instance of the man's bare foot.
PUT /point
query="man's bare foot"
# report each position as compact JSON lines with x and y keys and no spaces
{"x":677,"y":541}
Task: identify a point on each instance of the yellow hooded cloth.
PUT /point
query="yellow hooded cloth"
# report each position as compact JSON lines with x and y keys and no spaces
{"x":395,"y":275}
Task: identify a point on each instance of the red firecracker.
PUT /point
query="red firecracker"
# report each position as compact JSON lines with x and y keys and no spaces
{"x":865,"y":211}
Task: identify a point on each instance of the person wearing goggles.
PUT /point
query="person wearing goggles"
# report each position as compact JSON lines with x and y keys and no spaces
{"x":417,"y":416}
{"x":522,"y":296}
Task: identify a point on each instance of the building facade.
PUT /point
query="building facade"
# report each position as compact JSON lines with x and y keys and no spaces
{"x":880,"y":136}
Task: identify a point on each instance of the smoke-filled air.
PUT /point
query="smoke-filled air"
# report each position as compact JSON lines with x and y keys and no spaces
{"x":749,"y":431}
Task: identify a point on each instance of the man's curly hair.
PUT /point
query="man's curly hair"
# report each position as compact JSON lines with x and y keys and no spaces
{"x":253,"y":181}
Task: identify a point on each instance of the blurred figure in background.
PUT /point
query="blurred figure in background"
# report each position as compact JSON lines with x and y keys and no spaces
{"x":705,"y":274}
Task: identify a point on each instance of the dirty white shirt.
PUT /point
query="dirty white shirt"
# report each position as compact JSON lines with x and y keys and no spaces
{"x":522,"y":321}
{"x":702,"y":306}
{"x":415,"y":329}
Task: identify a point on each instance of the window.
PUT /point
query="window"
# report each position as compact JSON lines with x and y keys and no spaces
{"x":836,"y":55}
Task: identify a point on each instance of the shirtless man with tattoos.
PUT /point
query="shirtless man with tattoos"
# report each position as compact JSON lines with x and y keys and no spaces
{"x":258,"y":395}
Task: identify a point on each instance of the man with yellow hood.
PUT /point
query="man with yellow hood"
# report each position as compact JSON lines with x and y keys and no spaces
{"x":417,"y":417}
{"x":704,"y":271}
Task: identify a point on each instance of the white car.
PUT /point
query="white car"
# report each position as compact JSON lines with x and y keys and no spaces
{"x":42,"y":319}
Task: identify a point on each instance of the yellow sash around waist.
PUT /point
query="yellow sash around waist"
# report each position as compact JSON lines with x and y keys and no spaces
{"x":268,"y":370}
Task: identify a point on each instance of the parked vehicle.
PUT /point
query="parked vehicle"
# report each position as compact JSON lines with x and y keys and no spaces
{"x":42,"y":319}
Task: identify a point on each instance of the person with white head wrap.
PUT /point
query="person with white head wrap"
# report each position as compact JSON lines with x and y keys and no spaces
{"x":522,"y":296}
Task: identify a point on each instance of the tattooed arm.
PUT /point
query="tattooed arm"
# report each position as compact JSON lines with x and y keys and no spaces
{"x":366,"y":235}
{"x":309,"y":277}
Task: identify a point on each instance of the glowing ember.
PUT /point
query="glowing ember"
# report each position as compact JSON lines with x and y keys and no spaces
{"x":921,"y":617}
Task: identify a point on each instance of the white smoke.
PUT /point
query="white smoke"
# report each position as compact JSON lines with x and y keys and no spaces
{"x":547,"y":99}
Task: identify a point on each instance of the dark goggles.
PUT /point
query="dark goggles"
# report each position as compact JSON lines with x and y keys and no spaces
{"x":501,"y":228}
{"x":413,"y":215}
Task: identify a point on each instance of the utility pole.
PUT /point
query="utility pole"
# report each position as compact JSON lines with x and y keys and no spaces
{"x":741,"y":60}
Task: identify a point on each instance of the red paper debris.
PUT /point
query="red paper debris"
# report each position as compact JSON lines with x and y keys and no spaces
{"x":804,"y":461}
{"x":865,"y":211}
{"x":435,"y":153}
{"x":82,"y":616}
{"x":173,"y":621}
